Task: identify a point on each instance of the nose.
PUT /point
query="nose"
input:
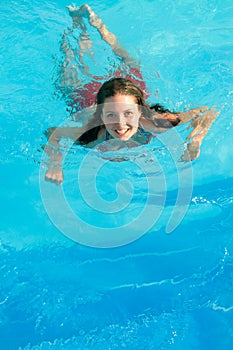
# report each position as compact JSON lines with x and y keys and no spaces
{"x":120,"y":119}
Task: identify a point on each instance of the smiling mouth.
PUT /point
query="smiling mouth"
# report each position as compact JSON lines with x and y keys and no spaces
{"x":121,"y":132}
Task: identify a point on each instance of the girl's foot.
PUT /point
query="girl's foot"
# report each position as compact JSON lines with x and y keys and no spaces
{"x":93,"y":18}
{"x":77,"y":14}
{"x":82,"y":11}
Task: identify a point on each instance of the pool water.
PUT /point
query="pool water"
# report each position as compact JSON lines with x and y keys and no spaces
{"x":161,"y":291}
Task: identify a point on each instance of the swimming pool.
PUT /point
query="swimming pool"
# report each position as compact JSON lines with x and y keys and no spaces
{"x":162,"y":291}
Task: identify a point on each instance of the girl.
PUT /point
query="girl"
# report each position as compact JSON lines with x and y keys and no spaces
{"x":121,"y":110}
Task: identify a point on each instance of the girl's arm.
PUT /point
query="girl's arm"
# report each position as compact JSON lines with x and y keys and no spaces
{"x":201,"y":120}
{"x":54,"y":135}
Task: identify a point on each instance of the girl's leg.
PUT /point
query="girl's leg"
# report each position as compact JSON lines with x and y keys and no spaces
{"x":69,"y":75}
{"x":133,"y":71}
{"x":108,"y":37}
{"x":84,"y":41}
{"x":73,"y":60}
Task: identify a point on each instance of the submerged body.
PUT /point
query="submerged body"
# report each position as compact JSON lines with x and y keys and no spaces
{"x":121,"y":112}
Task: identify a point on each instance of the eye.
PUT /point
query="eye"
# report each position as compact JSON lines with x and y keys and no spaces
{"x":129,"y":113}
{"x":110,"y":115}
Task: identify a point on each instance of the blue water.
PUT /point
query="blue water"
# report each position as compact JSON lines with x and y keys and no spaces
{"x":162,"y":291}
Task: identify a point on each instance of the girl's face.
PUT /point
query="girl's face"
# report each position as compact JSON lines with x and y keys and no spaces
{"x":120,"y":116}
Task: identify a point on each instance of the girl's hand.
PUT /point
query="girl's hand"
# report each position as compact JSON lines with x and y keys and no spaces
{"x":54,"y":175}
{"x":192,"y":114}
{"x":201,"y":125}
{"x":192,"y":152}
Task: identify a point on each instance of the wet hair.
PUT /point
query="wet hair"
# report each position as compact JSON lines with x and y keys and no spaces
{"x":126,"y":87}
{"x":119,"y":86}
